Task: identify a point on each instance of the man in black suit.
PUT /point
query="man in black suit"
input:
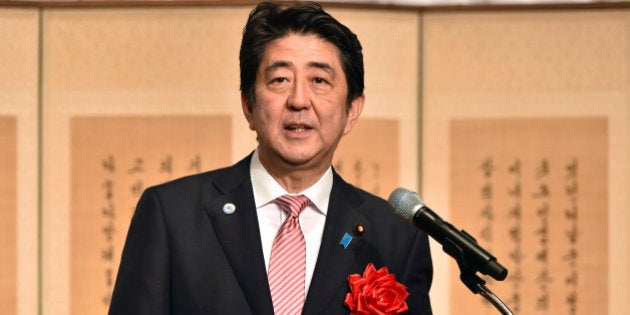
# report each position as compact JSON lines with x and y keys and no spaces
{"x":203,"y":244}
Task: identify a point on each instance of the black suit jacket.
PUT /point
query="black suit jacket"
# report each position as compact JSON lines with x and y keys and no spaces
{"x":184,"y":255}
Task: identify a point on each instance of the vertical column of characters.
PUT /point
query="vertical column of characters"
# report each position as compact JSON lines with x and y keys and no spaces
{"x":486,"y":193}
{"x":541,"y":196}
{"x":515,"y":222}
{"x":135,"y":171}
{"x":108,"y":212}
{"x":571,"y":216}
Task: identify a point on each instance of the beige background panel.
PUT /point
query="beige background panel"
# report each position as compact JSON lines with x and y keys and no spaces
{"x":8,"y":214}
{"x":19,"y":35}
{"x":470,"y":92}
{"x":113,"y":160}
{"x":535,"y":195}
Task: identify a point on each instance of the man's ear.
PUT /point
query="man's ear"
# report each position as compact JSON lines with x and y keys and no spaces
{"x":247,"y":111}
{"x":356,"y":107}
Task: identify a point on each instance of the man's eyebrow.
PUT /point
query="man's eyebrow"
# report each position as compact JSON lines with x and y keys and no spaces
{"x":313,"y":64}
{"x":277,"y":64}
{"x":322,"y":65}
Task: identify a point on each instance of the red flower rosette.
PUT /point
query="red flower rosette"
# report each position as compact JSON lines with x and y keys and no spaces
{"x":377,"y":292}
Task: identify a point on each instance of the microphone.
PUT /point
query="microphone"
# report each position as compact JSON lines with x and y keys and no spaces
{"x":408,"y":205}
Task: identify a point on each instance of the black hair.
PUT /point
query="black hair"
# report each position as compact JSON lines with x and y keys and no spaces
{"x":270,"y":21}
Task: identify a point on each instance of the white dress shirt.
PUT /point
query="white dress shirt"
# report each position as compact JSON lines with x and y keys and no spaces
{"x":271,"y":217}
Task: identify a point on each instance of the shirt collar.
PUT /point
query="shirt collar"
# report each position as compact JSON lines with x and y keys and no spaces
{"x":267,"y":189}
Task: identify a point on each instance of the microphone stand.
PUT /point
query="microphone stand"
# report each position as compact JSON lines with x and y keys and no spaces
{"x":468,"y":275}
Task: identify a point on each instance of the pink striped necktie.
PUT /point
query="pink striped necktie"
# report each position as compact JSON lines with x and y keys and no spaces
{"x":288,"y":259}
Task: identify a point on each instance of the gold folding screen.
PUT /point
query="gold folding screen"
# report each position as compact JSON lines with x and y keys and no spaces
{"x":99,"y":103}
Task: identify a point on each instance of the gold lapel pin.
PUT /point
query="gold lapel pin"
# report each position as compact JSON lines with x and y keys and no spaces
{"x":359,"y":229}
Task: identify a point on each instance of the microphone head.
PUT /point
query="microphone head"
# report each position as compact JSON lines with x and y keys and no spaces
{"x":405,"y":203}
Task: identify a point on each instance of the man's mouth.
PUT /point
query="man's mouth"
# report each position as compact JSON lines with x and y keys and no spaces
{"x":298,"y":128}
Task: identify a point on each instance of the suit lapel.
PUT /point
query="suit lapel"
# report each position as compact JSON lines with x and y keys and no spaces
{"x":335,"y":263}
{"x":239,"y":234}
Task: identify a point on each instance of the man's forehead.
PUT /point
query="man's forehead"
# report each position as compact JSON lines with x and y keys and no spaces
{"x":297,"y":50}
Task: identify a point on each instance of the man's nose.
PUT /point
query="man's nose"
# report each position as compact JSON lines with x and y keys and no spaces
{"x":299,"y":98}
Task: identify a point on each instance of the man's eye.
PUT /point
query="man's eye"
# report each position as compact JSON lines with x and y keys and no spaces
{"x":279,"y":80}
{"x":319,"y":80}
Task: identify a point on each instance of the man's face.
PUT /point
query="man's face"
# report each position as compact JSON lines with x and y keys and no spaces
{"x":300,"y":110}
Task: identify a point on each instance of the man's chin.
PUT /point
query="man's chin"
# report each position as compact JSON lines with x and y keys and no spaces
{"x":304,"y":160}
{"x":297,"y":160}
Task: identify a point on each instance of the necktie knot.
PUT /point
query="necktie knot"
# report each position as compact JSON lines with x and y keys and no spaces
{"x":293,"y":204}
